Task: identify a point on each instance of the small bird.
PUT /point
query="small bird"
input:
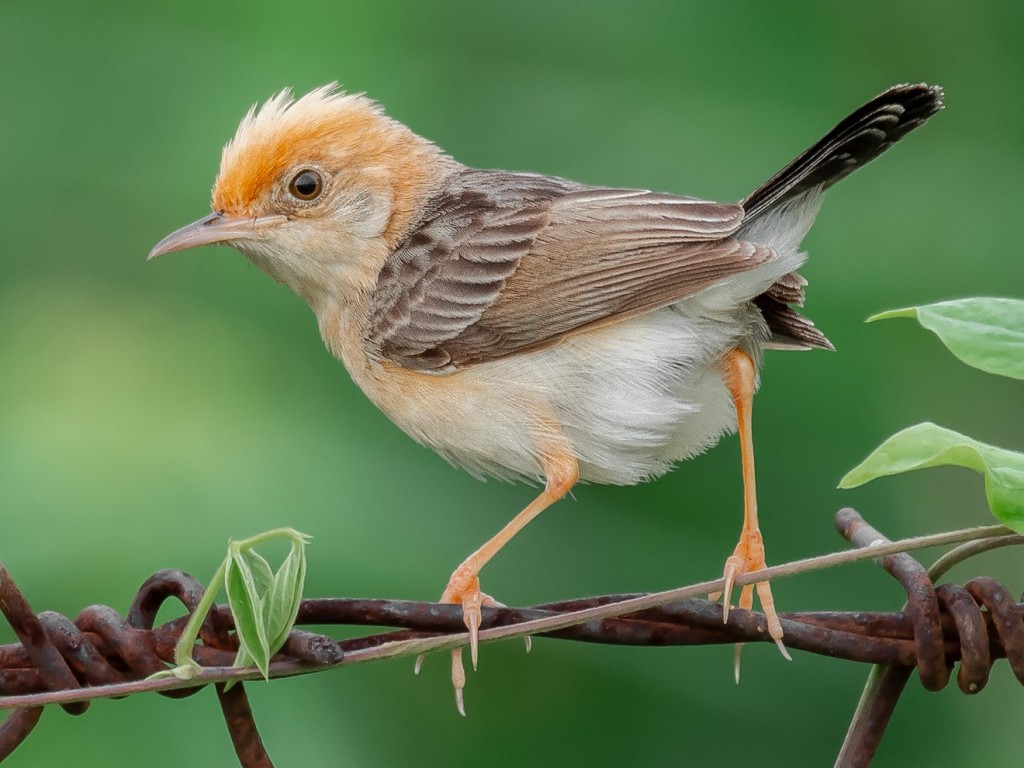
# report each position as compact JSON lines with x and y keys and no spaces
{"x":529,"y":326}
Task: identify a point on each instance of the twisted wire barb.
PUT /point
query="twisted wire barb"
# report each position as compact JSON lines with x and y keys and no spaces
{"x":102,"y":654}
{"x":983,"y":636}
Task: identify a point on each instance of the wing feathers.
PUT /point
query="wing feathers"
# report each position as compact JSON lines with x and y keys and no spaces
{"x":507,"y":263}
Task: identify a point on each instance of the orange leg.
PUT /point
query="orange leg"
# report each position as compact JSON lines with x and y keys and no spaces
{"x":748,"y":556}
{"x":561,"y":472}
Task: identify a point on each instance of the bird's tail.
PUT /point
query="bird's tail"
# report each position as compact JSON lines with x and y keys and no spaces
{"x":857,"y":140}
{"x":783,"y":208}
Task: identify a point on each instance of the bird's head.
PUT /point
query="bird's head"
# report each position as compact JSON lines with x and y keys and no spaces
{"x":317,"y":191}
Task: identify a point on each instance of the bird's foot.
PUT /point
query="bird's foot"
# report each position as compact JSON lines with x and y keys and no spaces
{"x":464,"y":589}
{"x":747,"y":558}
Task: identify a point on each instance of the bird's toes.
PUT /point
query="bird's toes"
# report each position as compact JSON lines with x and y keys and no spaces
{"x":472,"y":616}
{"x":734,"y":566}
{"x":459,"y":680}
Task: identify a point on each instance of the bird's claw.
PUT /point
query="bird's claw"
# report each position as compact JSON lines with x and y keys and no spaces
{"x":749,"y":557}
{"x":464,"y":589}
{"x":458,"y":680}
{"x":733,"y":566}
{"x":472,"y":616}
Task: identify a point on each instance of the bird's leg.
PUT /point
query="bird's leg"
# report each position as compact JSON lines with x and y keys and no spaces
{"x":561,"y":472}
{"x":740,"y":378}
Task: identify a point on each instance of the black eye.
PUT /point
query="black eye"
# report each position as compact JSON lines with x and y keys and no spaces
{"x":306,"y":185}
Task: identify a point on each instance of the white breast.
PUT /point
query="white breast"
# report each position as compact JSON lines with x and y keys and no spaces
{"x":631,"y":399}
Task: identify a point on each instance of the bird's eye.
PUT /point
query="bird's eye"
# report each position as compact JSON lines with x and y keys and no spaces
{"x":307,"y":185}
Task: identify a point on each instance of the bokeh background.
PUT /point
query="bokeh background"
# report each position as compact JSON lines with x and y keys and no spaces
{"x":150,"y":411}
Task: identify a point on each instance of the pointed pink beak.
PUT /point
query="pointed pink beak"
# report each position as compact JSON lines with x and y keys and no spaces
{"x":215,"y":228}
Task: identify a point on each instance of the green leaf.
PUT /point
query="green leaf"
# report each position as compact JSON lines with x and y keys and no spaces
{"x":928,"y":445}
{"x":282,"y":605}
{"x":247,"y":605}
{"x":262,"y":573}
{"x":985,"y":333}
{"x":263,"y":604}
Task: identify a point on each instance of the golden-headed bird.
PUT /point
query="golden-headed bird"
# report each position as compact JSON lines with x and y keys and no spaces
{"x":525,"y":325}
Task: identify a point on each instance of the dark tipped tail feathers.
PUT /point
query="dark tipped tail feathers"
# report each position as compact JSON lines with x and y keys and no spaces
{"x":857,"y":140}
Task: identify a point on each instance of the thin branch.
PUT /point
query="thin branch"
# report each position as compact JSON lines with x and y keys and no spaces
{"x":966,"y":551}
{"x":417,"y":645}
{"x":806,"y":565}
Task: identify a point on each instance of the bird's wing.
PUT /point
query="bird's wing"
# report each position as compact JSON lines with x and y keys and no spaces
{"x":506,"y":263}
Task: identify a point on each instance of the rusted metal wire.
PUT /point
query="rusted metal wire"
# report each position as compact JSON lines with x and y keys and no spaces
{"x":938,"y":616}
{"x":976,"y":624}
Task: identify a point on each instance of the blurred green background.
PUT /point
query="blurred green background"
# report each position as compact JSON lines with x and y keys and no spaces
{"x":148,"y":412}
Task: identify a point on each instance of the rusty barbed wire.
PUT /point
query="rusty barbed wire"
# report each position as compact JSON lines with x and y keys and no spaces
{"x":975,"y":624}
{"x":982,"y":637}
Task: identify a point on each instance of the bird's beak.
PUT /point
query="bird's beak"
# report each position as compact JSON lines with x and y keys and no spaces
{"x":215,"y":228}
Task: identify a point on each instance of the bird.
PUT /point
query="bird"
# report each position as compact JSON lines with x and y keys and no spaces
{"x":527,"y":326}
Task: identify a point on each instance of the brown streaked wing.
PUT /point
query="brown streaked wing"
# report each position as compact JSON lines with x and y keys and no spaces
{"x":507,"y":263}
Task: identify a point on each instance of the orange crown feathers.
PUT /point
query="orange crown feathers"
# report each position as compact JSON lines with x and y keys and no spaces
{"x":327,"y":126}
